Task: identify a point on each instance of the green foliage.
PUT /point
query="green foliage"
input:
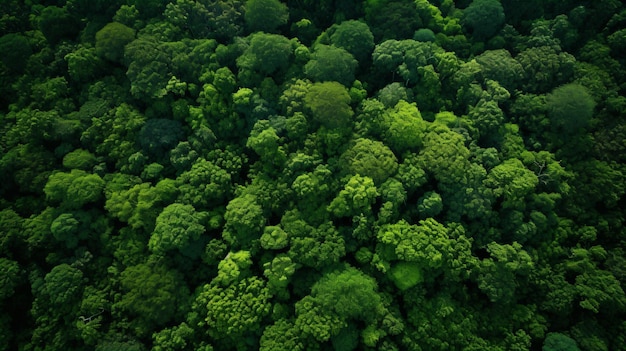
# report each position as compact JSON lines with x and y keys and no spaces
{"x":234,"y":311}
{"x":266,"y":54}
{"x":329,"y":104}
{"x":75,"y":189}
{"x":177,"y":227}
{"x":274,"y":238}
{"x":265,"y":15}
{"x":111,"y":39}
{"x":559,"y":342}
{"x":17,"y":50}
{"x":315,"y":247}
{"x":79,"y":159}
{"x":483,"y":18}
{"x":570,"y":108}
{"x":244,"y":216}
{"x":355,"y":37}
{"x":511,"y":181}
{"x":279,"y":271}
{"x":349,"y":293}
{"x":498,"y":274}
{"x":370,"y":158}
{"x":281,"y":335}
{"x":430,"y":204}
{"x":56,"y":24}
{"x":10,"y":277}
{"x":152,"y":295}
{"x":233,"y":267}
{"x":330,"y":63}
{"x":406,"y":275}
{"x":204,"y":185}
{"x":356,"y":197}
{"x":306,"y":175}
{"x":404,"y":128}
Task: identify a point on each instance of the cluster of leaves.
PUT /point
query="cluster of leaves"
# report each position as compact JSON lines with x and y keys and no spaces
{"x":307,"y":175}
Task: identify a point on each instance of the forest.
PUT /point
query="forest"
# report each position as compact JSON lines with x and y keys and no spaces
{"x":308,"y":175}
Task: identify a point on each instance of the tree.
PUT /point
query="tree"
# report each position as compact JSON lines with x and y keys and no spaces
{"x":330,"y":63}
{"x":56,"y":24}
{"x":170,"y":339}
{"x":559,"y":342}
{"x":205,"y":185}
{"x":79,"y":159}
{"x":111,"y":39}
{"x":10,"y":279}
{"x":356,"y":198}
{"x":265,"y":15}
{"x":500,"y":272}
{"x":404,"y":127}
{"x":369,"y":158}
{"x":545,"y":68}
{"x":315,"y":247}
{"x":279,"y":271}
{"x":232,"y":312}
{"x":349,"y":293}
{"x":329,"y":104}
{"x":75,"y":189}
{"x":244,"y":220}
{"x":159,"y":135}
{"x":570,"y":108}
{"x":178,"y":227}
{"x":498,"y":65}
{"x":17,"y":50}
{"x":148,"y":68}
{"x":512,"y":182}
{"x":392,"y":19}
{"x":484,"y":18}
{"x":281,"y":335}
{"x":151,"y":296}
{"x":355,"y":37}
{"x":274,"y":238}
{"x":266,"y":54}
{"x":55,"y":306}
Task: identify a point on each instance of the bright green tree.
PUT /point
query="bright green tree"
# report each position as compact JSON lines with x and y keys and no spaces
{"x":178,"y":227}
{"x":349,"y":293}
{"x":232,"y":312}
{"x":357,"y":197}
{"x":370,"y":158}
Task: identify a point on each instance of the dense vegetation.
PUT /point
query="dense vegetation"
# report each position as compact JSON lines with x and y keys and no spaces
{"x":312,"y":175}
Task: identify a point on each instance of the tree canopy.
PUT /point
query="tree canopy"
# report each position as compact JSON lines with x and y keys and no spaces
{"x":230,"y":175}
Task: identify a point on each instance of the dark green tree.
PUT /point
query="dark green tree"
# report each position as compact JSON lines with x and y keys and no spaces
{"x":111,"y":39}
{"x":56,"y":24}
{"x":483,"y":18}
{"x":355,"y":37}
{"x":151,"y":296}
{"x":266,"y":54}
{"x":329,"y":103}
{"x":265,"y":15}
{"x":570,"y":108}
{"x":330,"y":63}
